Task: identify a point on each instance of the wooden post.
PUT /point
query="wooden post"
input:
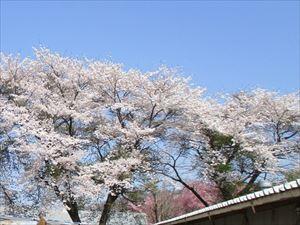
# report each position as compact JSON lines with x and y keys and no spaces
{"x":42,"y":221}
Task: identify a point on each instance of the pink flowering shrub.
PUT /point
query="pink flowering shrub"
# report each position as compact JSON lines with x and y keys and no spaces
{"x":163,"y":203}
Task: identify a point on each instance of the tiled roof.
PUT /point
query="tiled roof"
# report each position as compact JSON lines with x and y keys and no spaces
{"x":273,"y":191}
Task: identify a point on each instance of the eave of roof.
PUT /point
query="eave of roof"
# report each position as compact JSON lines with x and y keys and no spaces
{"x":268,"y":195}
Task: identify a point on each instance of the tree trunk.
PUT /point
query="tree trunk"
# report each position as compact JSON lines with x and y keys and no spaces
{"x":205,"y":203}
{"x":107,"y":208}
{"x":73,"y":211}
{"x":180,"y":180}
{"x":155,"y":208}
{"x":7,"y":195}
{"x":70,"y":203}
{"x":246,"y":189}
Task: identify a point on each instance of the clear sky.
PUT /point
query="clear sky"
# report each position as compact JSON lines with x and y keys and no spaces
{"x":222,"y":45}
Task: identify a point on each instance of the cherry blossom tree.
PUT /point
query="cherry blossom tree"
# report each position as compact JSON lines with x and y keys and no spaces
{"x":89,"y":128}
{"x":234,"y":142}
{"x":142,"y":111}
{"x":251,"y":134}
{"x":12,"y":111}
{"x":54,"y":129}
{"x":85,"y":130}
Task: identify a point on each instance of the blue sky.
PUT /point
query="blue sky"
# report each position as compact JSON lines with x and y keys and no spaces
{"x":222,"y":45}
